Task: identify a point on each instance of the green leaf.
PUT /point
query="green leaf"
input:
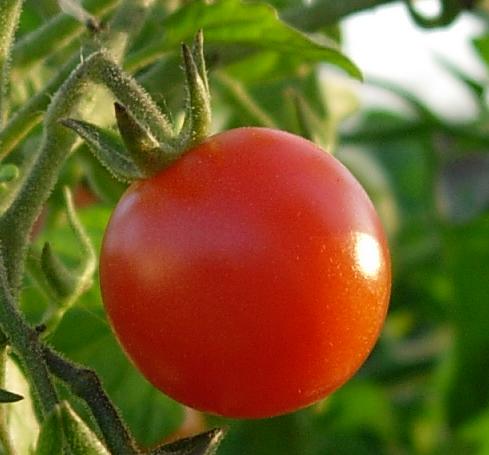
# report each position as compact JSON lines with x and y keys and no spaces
{"x":99,"y":180}
{"x":60,"y":279}
{"x":203,"y":444}
{"x":241,"y":100}
{"x":245,"y":28}
{"x":476,"y":431}
{"x":51,"y":438}
{"x":106,"y":148}
{"x":9,"y":397}
{"x":450,"y":9}
{"x":481,"y":46}
{"x":8,"y":172}
{"x":463,"y":188}
{"x":476,"y":88}
{"x":419,"y":106}
{"x":289,"y":434}
{"x":466,"y":255}
{"x":64,"y":431}
{"x":80,"y":439}
{"x":365,"y":406}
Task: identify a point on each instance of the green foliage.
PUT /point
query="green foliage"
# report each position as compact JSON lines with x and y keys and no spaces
{"x":64,"y":432}
{"x":237,"y":29}
{"x":425,"y":388}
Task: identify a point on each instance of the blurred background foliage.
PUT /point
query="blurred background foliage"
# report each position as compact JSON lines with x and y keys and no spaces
{"x":425,"y":388}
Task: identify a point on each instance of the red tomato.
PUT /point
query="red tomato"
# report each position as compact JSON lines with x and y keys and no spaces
{"x":251,"y":278}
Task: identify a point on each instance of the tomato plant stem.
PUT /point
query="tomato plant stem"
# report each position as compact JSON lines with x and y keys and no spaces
{"x":9,"y":18}
{"x":57,"y":140}
{"x":31,"y":113}
{"x":24,"y":340}
{"x":54,"y":35}
{"x":86,"y":385}
{"x":17,"y":220}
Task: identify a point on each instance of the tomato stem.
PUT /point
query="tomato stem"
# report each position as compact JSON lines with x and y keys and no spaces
{"x":10,"y":13}
{"x":24,"y":341}
{"x":86,"y":385}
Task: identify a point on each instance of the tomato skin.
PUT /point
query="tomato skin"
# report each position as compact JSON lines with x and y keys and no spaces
{"x":249,"y":279}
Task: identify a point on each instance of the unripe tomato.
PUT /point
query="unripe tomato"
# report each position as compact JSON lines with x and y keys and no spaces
{"x":250,"y":278}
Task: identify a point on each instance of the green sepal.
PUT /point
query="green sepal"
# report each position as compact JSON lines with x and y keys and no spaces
{"x":65,"y":432}
{"x":59,"y":278}
{"x":107,"y":190}
{"x":199,"y":57}
{"x":9,"y":397}
{"x":202,"y":444}
{"x":108,"y":150}
{"x":36,"y":273}
{"x":8,"y":173}
{"x":198,"y":106}
{"x":141,"y":146}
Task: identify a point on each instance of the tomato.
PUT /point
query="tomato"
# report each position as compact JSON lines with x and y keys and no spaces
{"x":250,"y":278}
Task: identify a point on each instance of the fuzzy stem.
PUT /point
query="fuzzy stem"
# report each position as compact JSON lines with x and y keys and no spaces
{"x":131,"y":95}
{"x":17,"y":220}
{"x":57,"y":141}
{"x":31,"y":113}
{"x":24,"y":340}
{"x":54,"y":35}
{"x":129,"y":16}
{"x":9,"y":19}
{"x":86,"y":385}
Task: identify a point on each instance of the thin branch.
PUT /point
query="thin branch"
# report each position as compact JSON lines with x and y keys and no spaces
{"x":57,"y":141}
{"x":24,"y":340}
{"x":85,"y":384}
{"x":56,"y":33}
{"x":9,"y":19}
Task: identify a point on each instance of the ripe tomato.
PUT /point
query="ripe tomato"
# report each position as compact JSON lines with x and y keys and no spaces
{"x":250,"y":278}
